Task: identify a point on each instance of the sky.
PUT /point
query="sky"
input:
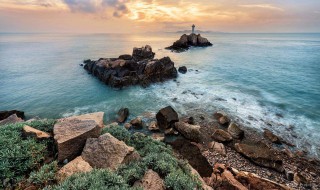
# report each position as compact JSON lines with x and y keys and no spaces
{"x":139,"y":16}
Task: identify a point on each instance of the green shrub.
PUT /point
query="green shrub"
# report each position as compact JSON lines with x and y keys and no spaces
{"x":97,"y":179}
{"x":132,"y":171}
{"x":118,"y":132}
{"x":45,"y":175}
{"x":45,"y":125}
{"x":18,"y":156}
{"x":178,"y":180}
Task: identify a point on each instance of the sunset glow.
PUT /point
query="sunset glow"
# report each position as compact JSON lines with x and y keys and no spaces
{"x":123,"y":16}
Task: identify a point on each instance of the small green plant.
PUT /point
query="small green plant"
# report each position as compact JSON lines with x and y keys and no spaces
{"x":118,"y":132}
{"x":45,"y":175}
{"x":178,"y":180}
{"x":132,"y":171}
{"x":45,"y":125}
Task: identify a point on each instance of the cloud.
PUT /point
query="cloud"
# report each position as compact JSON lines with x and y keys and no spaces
{"x":263,"y":6}
{"x":118,"y":7}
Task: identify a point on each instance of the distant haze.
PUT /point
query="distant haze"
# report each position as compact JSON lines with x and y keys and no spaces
{"x":136,"y":16}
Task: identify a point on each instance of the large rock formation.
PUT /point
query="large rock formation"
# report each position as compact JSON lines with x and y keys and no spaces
{"x":108,"y":152}
{"x":71,"y":133}
{"x":140,"y":68}
{"x":186,"y":41}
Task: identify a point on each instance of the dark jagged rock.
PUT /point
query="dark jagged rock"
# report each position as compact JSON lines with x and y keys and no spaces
{"x":140,"y":68}
{"x":183,"y":69}
{"x":166,"y":118}
{"x":187,"y":41}
{"x":123,"y":114}
{"x":6,"y":114}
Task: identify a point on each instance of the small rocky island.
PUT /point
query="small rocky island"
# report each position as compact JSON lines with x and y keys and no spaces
{"x":186,"y":41}
{"x":139,"y":68}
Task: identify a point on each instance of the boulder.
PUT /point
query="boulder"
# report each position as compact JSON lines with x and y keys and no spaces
{"x":271,"y":137}
{"x":260,"y":154}
{"x":158,"y":136}
{"x":153,"y":126}
{"x":78,"y":165}
{"x":191,"y":132}
{"x":192,"y":154}
{"x":35,"y":133}
{"x":123,"y":114}
{"x":235,"y":131}
{"x":183,"y":69}
{"x":6,"y":114}
{"x":71,"y":133}
{"x":221,"y":136}
{"x":11,"y":119}
{"x":166,"y":118}
{"x":137,"y":123}
{"x":108,"y":152}
{"x":221,"y":117}
{"x":142,"y":53}
{"x":217,"y":147}
{"x":150,"y":181}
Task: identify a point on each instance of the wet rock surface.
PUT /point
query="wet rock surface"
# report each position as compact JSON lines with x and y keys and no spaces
{"x":139,"y":69}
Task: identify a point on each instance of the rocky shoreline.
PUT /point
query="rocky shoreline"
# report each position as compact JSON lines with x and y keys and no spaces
{"x":224,"y":153}
{"x":187,"y":41}
{"x":140,"y":68}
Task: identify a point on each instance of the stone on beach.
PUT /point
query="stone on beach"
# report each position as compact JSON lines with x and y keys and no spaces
{"x":221,"y":136}
{"x":272,"y":137}
{"x":191,"y":132}
{"x":71,"y":133}
{"x":235,"y":131}
{"x":108,"y":152}
{"x":166,"y":118}
{"x":217,"y":147}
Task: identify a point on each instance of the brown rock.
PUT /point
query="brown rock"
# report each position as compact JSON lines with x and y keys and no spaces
{"x":137,"y":123}
{"x":108,"y":152}
{"x":221,"y":117}
{"x":191,"y":132}
{"x":166,"y":118}
{"x":32,"y":132}
{"x":123,"y":114}
{"x":127,"y":126}
{"x":197,"y":175}
{"x":231,"y":182}
{"x":153,"y":126}
{"x":221,"y":136}
{"x":150,"y":181}
{"x":235,"y":131}
{"x":217,"y":147}
{"x":260,"y":154}
{"x":78,"y":165}
{"x":11,"y":119}
{"x":272,"y":137}
{"x":158,"y":136}
{"x":71,"y":133}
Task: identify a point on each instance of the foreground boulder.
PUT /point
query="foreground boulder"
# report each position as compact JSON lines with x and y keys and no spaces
{"x":191,"y":132}
{"x":221,"y":136}
{"x":6,"y":114}
{"x":217,"y":147}
{"x":150,"y":181}
{"x":71,"y":133}
{"x":260,"y":154}
{"x":186,"y":41}
{"x":141,"y":68}
{"x":77,"y":165}
{"x":235,"y":131}
{"x":272,"y":137}
{"x":166,"y":118}
{"x":108,"y":152}
{"x":11,"y":119}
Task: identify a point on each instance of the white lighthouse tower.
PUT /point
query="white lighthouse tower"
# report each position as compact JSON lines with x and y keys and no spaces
{"x":193,"y":28}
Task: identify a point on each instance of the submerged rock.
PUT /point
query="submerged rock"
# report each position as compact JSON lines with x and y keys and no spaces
{"x":140,"y":68}
{"x":187,"y":41}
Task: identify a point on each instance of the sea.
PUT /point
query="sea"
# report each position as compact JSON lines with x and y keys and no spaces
{"x":265,"y":80}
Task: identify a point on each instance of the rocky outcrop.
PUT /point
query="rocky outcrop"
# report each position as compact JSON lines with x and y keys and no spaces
{"x":235,"y":131}
{"x":78,"y":165}
{"x":166,"y":118}
{"x":123,"y":114}
{"x":108,"y":152}
{"x":150,"y":181}
{"x":11,"y":119}
{"x":221,"y":136}
{"x":35,"y":133}
{"x":71,"y":133}
{"x":6,"y":114}
{"x":140,"y":68}
{"x":260,"y":154}
{"x":191,"y":132}
{"x":186,"y":41}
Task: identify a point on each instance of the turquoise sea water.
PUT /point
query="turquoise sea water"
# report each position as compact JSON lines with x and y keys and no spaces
{"x":274,"y":78}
